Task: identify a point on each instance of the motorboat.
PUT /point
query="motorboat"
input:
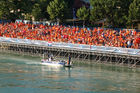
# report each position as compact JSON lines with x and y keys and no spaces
{"x":52,"y":62}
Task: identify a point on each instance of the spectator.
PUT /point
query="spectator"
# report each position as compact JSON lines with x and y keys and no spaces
{"x":97,"y":36}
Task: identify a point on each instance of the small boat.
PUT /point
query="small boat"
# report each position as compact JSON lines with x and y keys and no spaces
{"x":51,"y":62}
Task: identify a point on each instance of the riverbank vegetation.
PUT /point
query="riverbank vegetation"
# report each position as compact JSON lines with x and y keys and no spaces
{"x":114,"y":13}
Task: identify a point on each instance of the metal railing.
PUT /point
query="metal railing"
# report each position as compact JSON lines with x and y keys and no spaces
{"x":118,"y":50}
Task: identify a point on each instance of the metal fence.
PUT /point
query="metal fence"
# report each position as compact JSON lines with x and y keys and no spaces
{"x":118,"y":50}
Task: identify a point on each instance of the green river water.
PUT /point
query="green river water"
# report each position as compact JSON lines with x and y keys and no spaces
{"x":25,"y":74}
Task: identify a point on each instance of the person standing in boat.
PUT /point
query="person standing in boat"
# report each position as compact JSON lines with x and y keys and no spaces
{"x":69,"y":60}
{"x":50,"y":57}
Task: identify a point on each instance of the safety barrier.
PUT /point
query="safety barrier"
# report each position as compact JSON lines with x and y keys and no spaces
{"x":117,"y":50}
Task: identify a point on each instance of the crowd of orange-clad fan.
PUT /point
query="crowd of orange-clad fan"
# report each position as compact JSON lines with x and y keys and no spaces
{"x":97,"y":36}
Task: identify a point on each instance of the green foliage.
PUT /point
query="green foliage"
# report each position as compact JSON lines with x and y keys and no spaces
{"x":134,"y":11}
{"x":122,"y":13}
{"x":70,"y":9}
{"x":97,"y":10}
{"x":25,"y":9}
{"x":57,"y":9}
{"x":36,"y":11}
{"x":43,"y":5}
{"x":13,"y":9}
{"x":83,"y":14}
{"x":115,"y":11}
{"x":5,"y":9}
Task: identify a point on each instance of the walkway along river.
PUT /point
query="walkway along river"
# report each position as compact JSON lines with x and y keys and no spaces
{"x":97,"y":54}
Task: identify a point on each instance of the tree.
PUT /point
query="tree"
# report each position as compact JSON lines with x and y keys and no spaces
{"x":69,"y":12}
{"x":122,"y":13}
{"x":57,"y":9}
{"x":36,"y":12}
{"x":24,"y":8}
{"x":134,"y":11}
{"x":114,"y":11}
{"x":43,"y":5}
{"x":5,"y":9}
{"x":82,"y":14}
{"x":97,"y":10}
{"x":14,"y":9}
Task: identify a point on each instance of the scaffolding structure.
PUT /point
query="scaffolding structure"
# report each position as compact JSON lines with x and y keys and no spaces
{"x":93,"y":56}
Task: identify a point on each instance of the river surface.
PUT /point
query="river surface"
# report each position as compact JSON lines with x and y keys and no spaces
{"x":25,"y":74}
